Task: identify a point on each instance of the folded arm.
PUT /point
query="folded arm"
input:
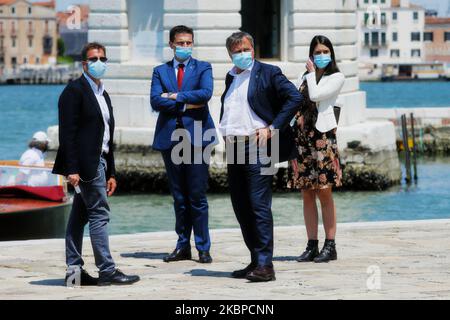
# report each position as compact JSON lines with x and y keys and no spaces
{"x":159,"y":103}
{"x":200,"y":96}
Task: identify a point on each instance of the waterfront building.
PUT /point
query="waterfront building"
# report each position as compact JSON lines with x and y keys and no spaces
{"x":389,"y":32}
{"x":27,"y":33}
{"x":437,"y":39}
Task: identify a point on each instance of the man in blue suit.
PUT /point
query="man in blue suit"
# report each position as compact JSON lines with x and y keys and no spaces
{"x":180,"y":91}
{"x":257,"y":106}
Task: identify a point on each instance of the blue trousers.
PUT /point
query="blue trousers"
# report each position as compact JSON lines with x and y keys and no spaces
{"x":251,"y":197}
{"x":90,"y":206}
{"x":188,"y":183}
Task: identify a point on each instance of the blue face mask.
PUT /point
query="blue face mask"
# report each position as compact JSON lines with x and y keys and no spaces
{"x":97,"y":69}
{"x":322,"y":60}
{"x":183,"y":53}
{"x":242,"y":60}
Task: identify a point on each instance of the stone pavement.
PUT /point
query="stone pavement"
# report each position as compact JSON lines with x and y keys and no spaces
{"x":378,"y":260}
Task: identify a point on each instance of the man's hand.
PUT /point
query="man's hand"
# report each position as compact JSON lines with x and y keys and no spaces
{"x":263,"y":135}
{"x":111,"y":186}
{"x":164,"y":95}
{"x":74,"y":179}
{"x":173,"y":96}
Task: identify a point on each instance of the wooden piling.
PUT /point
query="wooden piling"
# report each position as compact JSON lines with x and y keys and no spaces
{"x":406,"y":148}
{"x":414,"y":147}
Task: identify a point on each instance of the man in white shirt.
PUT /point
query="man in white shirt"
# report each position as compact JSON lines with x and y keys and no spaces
{"x":257,"y":104}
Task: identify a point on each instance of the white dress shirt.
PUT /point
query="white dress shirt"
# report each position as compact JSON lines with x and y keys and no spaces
{"x":325,"y":94}
{"x":238,"y":117}
{"x":98,"y":92}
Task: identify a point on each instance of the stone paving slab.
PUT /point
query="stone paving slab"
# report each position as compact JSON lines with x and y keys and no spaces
{"x":411,"y":258}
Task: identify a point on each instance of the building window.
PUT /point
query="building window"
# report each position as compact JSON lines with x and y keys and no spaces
{"x":366,"y":38}
{"x":262,"y":19}
{"x":375,"y":40}
{"x":30,"y":42}
{"x":14,"y":61}
{"x":415,"y":15}
{"x":415,"y":36}
{"x":383,"y":18}
{"x":394,"y":36}
{"x":48,"y":44}
{"x":428,"y":36}
{"x":29,"y":10}
{"x":394,"y":15}
{"x":13,"y":10}
{"x":383,"y":38}
{"x":395,"y":53}
{"x":366,"y":1}
{"x":13,"y":42}
{"x":383,"y":1}
{"x":373,"y":53}
{"x":25,"y":60}
{"x":38,"y":60}
{"x":447,"y":36}
{"x":375,"y":1}
{"x":415,"y":53}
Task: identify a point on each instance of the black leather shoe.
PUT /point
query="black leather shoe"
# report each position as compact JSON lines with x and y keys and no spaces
{"x":116,"y":277}
{"x":242,"y":274}
{"x":261,"y":274}
{"x":327,"y":253}
{"x":312,"y":251}
{"x":204,"y":257}
{"x":86,"y":279}
{"x":178,"y":255}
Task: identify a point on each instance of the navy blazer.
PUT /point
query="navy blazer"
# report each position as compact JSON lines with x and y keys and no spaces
{"x":81,"y":130}
{"x":197,"y":88}
{"x":275,"y":100}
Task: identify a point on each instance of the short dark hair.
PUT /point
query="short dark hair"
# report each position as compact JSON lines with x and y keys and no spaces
{"x":180,"y":29}
{"x":236,"y":39}
{"x":90,"y":46}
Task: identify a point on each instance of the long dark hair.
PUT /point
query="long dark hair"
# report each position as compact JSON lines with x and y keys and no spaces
{"x":319,"y":39}
{"x":307,"y":107}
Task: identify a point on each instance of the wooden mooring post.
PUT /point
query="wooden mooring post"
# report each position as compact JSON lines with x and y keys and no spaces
{"x":406,"y":148}
{"x":414,"y":147}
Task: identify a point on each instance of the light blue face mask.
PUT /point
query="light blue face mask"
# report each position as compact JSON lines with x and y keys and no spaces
{"x":97,"y":69}
{"x":322,"y":60}
{"x":183,"y":53}
{"x":242,"y":60}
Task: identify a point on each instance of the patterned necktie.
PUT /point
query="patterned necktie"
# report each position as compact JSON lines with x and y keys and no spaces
{"x":180,"y":75}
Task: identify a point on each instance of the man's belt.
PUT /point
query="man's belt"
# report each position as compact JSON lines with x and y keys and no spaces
{"x":235,"y":139}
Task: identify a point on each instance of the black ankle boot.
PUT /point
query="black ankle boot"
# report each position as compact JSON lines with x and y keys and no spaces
{"x":312,"y":251}
{"x":328,"y":252}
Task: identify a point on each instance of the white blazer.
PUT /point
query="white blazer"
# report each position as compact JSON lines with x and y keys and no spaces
{"x":325,"y":94}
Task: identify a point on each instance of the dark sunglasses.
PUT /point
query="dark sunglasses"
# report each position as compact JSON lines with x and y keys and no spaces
{"x":94,"y":59}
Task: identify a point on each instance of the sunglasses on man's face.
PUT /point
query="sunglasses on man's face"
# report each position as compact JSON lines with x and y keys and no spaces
{"x":94,"y":59}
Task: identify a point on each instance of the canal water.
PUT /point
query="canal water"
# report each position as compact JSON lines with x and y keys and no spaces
{"x":26,"y":109}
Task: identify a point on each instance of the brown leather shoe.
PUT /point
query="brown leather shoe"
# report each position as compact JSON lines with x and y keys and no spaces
{"x":261,"y":274}
{"x":242,"y":274}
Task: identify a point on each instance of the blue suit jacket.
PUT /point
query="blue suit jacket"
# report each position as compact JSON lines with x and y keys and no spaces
{"x":197,"y":88}
{"x":275,"y":100}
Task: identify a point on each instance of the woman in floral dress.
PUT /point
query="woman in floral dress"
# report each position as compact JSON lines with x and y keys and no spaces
{"x":317,"y":170}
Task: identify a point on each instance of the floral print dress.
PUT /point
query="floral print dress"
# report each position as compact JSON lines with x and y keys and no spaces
{"x":317,"y":166}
